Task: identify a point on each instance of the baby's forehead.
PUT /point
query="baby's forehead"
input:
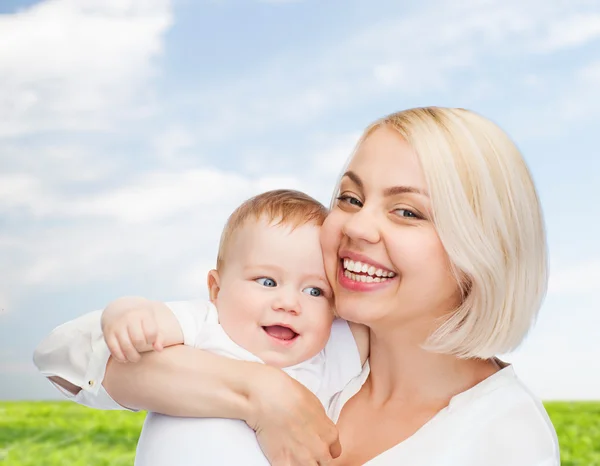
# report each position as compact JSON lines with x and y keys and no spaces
{"x":268,"y":225}
{"x":258,"y":237}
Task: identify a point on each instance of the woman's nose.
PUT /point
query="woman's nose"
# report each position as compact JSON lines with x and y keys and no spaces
{"x":362,"y":226}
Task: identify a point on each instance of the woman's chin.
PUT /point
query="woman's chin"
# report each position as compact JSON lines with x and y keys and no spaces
{"x":355,"y":310}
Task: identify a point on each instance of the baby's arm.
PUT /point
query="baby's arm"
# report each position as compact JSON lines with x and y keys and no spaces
{"x":361,"y":337}
{"x":134,"y":325}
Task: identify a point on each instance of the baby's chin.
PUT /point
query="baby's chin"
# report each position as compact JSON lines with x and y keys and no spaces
{"x":288,"y":358}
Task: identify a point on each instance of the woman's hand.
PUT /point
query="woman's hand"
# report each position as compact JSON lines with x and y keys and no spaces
{"x":290,"y":423}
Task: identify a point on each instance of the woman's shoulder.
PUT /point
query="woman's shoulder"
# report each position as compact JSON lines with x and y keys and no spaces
{"x":504,"y":414}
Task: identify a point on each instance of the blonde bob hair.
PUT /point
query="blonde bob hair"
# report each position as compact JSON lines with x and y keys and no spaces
{"x":488,"y":216}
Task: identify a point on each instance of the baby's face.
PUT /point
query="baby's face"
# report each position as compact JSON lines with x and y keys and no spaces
{"x":274,"y":299}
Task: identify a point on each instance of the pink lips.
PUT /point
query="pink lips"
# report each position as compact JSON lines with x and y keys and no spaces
{"x":280,"y":333}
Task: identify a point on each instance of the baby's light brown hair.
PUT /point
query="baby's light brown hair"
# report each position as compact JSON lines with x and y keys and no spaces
{"x":283,"y":207}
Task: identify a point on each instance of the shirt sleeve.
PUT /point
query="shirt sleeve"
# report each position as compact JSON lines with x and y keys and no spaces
{"x":76,"y":352}
{"x":342,"y":359}
{"x":192,"y":317}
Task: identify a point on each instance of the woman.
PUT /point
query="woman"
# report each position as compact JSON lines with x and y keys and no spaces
{"x":442,"y":199}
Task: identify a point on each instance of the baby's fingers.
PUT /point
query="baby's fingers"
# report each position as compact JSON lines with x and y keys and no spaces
{"x":115,"y":348}
{"x":137,"y":337}
{"x":159,"y":343}
{"x":131,"y":354}
{"x":150,"y":330}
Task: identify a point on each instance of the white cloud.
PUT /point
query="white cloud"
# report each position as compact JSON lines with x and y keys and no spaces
{"x":78,"y":64}
{"x":561,"y":103}
{"x":557,"y":371}
{"x":20,"y":190}
{"x":570,"y":31}
{"x":171,"y":144}
{"x":396,"y":57}
{"x":334,"y":152}
{"x":4,"y":303}
{"x":583,"y":98}
{"x":155,"y":196}
{"x":590,"y":73}
{"x":11,"y":367}
{"x":192,"y":281}
{"x":165,"y":223}
{"x":145,"y":199}
{"x":280,"y":2}
{"x":580,"y":278}
{"x":556,"y":358}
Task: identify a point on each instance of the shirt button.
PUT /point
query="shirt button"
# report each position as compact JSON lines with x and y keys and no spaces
{"x":91,"y":383}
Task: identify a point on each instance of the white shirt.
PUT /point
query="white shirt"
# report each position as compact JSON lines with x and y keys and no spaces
{"x":76,"y":352}
{"x":498,"y":422}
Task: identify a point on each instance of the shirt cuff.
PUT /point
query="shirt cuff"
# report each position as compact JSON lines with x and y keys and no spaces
{"x":99,"y":400}
{"x":94,"y":375}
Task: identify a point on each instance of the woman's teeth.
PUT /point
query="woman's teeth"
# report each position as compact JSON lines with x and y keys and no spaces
{"x":355,"y":270}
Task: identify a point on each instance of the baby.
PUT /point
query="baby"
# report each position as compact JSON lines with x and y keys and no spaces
{"x":270,"y":302}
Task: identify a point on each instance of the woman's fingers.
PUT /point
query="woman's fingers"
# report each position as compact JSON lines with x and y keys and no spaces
{"x":335,"y":447}
{"x":291,"y":424}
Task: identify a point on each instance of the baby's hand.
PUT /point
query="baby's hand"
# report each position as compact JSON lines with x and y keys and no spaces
{"x":130,"y":327}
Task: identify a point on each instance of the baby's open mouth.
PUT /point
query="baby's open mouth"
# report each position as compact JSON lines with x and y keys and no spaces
{"x":280,"y":332}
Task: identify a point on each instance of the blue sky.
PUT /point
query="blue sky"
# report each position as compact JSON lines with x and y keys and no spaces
{"x":129,"y":129}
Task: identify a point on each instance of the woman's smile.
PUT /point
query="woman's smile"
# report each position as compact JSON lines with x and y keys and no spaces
{"x":357,"y":272}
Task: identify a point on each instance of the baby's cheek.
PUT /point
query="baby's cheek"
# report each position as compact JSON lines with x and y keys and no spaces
{"x":325,"y":328}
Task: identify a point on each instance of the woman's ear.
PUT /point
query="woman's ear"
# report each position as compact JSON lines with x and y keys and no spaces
{"x":214,"y":285}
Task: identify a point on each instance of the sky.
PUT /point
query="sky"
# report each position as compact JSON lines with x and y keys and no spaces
{"x":130,"y":129}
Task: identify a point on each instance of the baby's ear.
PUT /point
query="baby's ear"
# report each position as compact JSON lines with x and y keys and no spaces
{"x":214,"y":285}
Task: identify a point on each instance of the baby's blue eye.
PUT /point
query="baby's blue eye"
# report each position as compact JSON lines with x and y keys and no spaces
{"x":313,"y":291}
{"x":266,"y":281}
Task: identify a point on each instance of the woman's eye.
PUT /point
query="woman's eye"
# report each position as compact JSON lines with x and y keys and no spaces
{"x":266,"y":281}
{"x":313,"y":291}
{"x":405,"y":213}
{"x":349,"y":200}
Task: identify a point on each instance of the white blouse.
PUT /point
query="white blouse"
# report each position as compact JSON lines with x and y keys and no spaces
{"x":498,"y":422}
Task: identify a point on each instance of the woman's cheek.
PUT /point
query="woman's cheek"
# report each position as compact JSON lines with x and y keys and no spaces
{"x":331,"y":233}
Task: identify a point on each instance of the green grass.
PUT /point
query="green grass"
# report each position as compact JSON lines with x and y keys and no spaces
{"x":66,"y":434}
{"x":578,"y":429}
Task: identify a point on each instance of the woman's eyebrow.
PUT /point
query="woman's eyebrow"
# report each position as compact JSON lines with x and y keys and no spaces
{"x":403,"y":190}
{"x":393,"y":191}
{"x":353,"y":177}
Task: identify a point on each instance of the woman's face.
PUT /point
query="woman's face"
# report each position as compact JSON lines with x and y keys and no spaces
{"x":382,"y":254}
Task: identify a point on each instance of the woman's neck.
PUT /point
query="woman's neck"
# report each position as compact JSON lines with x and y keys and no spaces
{"x":403,"y":371}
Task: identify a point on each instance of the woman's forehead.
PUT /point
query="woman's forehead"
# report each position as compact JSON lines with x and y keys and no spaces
{"x":386,"y":159}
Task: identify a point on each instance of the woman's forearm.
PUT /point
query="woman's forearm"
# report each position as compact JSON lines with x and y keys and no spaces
{"x":290,"y":422}
{"x":184,"y":381}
